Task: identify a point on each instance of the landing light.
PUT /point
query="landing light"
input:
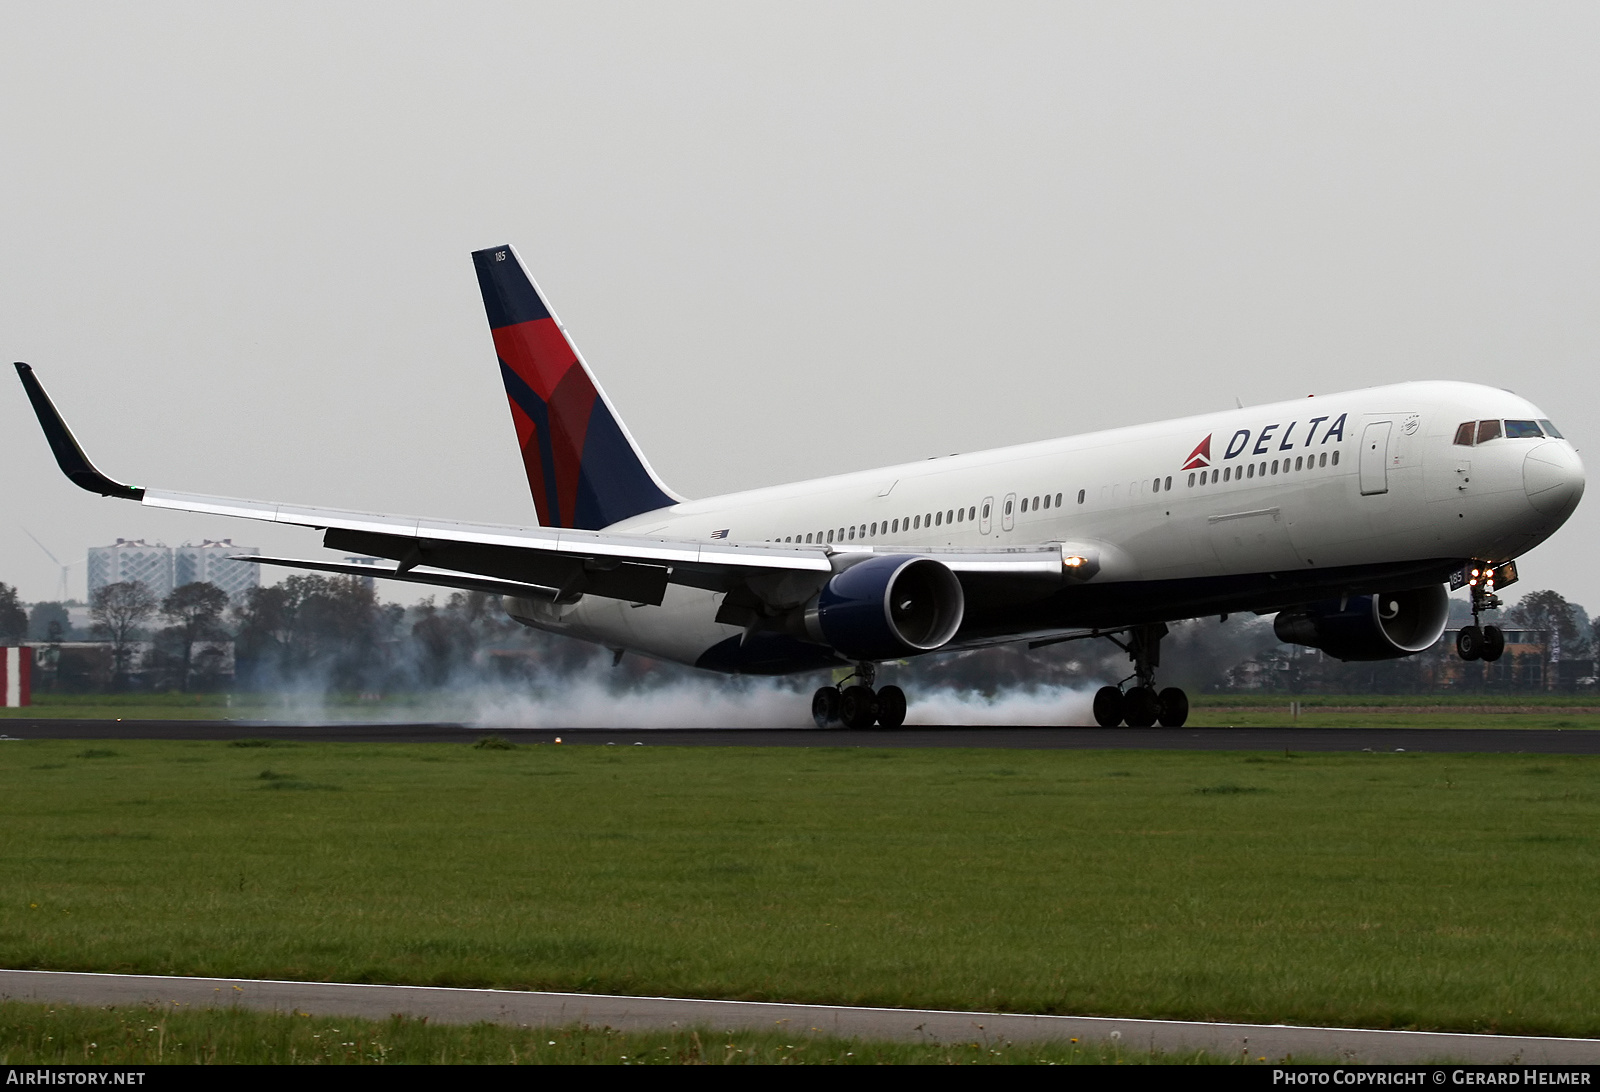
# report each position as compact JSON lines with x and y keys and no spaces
{"x":1078,"y":566}
{"x":1489,"y":576}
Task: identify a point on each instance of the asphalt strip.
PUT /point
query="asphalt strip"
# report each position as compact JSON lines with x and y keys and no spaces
{"x":1439,"y":740}
{"x":1252,"y":1042}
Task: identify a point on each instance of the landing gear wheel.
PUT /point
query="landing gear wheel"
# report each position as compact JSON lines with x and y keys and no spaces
{"x":858,"y":707}
{"x":825,"y":706}
{"x":1469,"y":642}
{"x":1108,"y":707}
{"x":1494,"y":643}
{"x":1140,"y":707}
{"x":891,"y":707}
{"x":1172,"y":707}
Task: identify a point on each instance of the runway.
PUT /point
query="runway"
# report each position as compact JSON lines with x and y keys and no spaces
{"x":1251,"y":1042}
{"x":1440,"y":740}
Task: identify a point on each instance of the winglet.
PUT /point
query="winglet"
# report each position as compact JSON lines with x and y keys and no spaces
{"x":69,"y":456}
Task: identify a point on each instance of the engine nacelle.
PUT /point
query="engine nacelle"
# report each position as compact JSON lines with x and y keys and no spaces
{"x":1369,"y":627}
{"x":887,"y":607}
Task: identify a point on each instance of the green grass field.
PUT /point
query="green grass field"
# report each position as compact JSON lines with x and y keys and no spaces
{"x":176,"y":706}
{"x":1453,"y":699}
{"x":1389,"y":717}
{"x":68,"y":1035}
{"x":1379,"y":890}
{"x":1448,"y":710}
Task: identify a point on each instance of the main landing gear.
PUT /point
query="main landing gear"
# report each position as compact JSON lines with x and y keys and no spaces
{"x":1141,"y":705}
{"x":858,"y":705}
{"x":1477,"y":642}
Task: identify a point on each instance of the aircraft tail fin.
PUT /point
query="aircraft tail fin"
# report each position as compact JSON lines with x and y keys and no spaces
{"x":584,"y":469}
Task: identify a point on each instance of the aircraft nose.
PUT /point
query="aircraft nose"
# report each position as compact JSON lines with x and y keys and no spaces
{"x":1552,"y":474}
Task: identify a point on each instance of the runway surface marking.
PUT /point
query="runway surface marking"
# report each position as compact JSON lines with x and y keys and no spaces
{"x":1453,"y":740}
{"x":1274,"y":1042}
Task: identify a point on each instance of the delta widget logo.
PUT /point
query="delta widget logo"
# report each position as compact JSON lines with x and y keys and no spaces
{"x":1200,"y":456}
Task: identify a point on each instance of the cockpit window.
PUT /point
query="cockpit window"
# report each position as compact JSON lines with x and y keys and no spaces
{"x":1488,"y":430}
{"x":1550,"y":430}
{"x":1464,"y":433}
{"x":1522,"y":430}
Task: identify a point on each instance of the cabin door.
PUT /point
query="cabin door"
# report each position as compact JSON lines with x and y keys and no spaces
{"x":1375,"y":458}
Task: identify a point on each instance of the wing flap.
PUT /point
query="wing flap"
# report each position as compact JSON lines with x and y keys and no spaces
{"x":429,"y":576}
{"x":570,"y":574}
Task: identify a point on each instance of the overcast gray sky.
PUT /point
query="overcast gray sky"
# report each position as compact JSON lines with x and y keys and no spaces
{"x":792,"y":239}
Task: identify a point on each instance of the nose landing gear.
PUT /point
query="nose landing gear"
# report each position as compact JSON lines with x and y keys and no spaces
{"x":1476,"y":642}
{"x":858,"y":705}
{"x":1141,"y":706}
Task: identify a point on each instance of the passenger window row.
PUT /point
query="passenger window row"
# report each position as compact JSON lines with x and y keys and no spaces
{"x":1045,"y":501}
{"x":1262,"y":469}
{"x":863,"y":531}
{"x":1471,"y":433}
{"x":1024,"y":505}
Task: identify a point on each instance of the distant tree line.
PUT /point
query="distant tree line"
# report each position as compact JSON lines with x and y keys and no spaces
{"x":1576,"y":636}
{"x":13,"y":619}
{"x":333,"y":634}
{"x":306,"y":633}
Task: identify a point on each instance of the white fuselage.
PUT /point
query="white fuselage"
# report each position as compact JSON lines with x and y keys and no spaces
{"x":1345,"y":482}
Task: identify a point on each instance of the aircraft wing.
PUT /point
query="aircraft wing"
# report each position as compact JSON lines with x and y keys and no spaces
{"x":566,"y":562}
{"x":557,"y":563}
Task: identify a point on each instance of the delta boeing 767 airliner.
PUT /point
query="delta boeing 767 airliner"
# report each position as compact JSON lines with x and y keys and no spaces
{"x":1345,"y":514}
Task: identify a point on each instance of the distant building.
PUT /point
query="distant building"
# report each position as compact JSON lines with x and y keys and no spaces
{"x":162,"y":568}
{"x":1528,"y":662}
{"x":131,"y":559}
{"x":209,"y":562}
{"x":368,"y":582}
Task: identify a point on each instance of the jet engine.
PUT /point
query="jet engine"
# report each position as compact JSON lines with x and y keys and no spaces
{"x":1369,"y":627}
{"x":887,"y":607}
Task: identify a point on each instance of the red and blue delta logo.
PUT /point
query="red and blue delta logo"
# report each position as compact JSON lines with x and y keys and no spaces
{"x":1200,"y":456}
